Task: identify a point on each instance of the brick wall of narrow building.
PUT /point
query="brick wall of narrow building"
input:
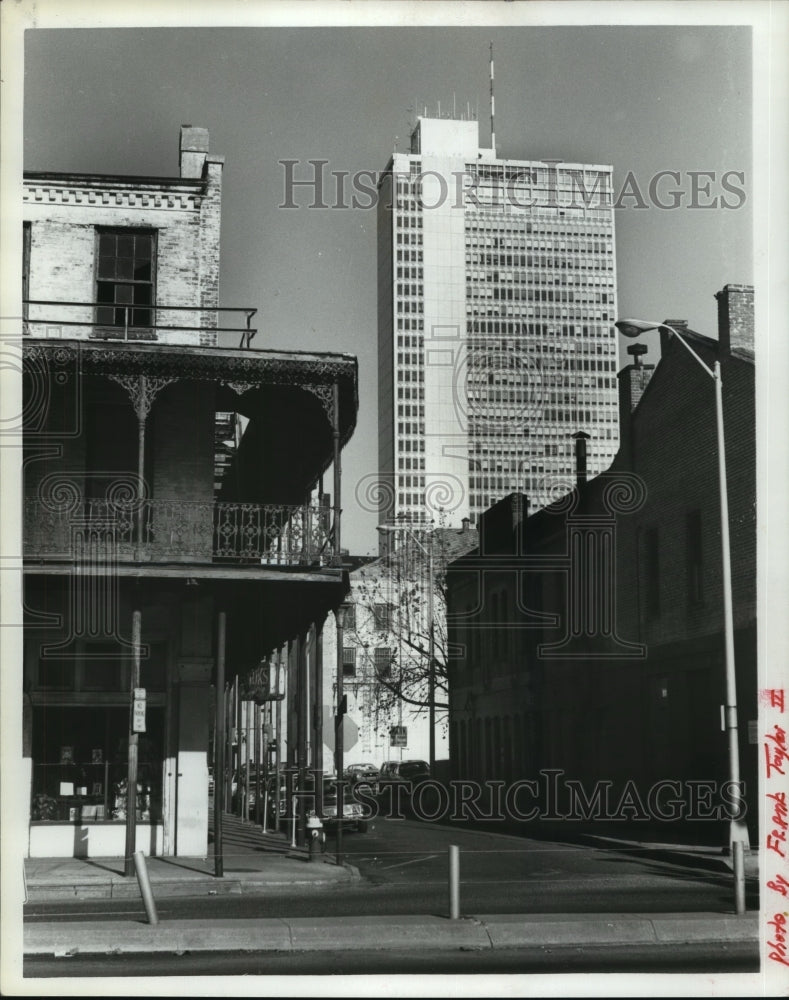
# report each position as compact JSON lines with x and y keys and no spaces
{"x":66,"y":213}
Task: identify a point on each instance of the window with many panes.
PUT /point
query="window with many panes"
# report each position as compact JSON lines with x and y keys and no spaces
{"x":349,"y":661}
{"x":125,"y":277}
{"x":382,"y":614}
{"x":383,"y":661}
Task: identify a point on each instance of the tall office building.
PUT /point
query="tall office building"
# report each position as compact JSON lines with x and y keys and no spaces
{"x":496,"y":303}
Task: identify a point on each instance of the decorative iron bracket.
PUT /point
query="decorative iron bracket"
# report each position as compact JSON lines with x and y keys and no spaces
{"x":142,"y":390}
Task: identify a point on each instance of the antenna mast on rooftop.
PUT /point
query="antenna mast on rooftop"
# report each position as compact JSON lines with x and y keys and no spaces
{"x":492,"y":106}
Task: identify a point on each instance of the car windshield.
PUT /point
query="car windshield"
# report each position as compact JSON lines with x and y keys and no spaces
{"x":408,"y":770}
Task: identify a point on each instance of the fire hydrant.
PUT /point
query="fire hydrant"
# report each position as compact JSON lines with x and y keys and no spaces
{"x":316,"y":834}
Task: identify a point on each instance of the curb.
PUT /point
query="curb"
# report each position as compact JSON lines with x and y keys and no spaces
{"x":383,"y":933}
{"x":671,"y":855}
{"x":227,"y":885}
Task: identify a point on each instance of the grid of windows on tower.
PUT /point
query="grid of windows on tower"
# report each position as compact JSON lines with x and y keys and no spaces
{"x":540,"y":305}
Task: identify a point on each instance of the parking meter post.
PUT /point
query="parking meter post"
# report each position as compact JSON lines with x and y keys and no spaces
{"x":226,"y":801}
{"x":293,"y":809}
{"x":239,"y":804}
{"x":454,"y":882}
{"x":256,"y":723}
{"x":278,"y":762}
{"x":245,"y":731}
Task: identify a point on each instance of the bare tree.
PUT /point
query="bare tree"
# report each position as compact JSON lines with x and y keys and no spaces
{"x":392,"y":616}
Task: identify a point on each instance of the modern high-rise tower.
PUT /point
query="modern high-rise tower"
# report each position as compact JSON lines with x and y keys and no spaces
{"x":496,"y":343}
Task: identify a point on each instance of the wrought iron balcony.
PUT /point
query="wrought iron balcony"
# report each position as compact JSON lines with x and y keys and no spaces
{"x":75,"y":528}
{"x":130,"y":322}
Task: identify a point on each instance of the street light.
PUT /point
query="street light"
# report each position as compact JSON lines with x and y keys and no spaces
{"x":431,"y":668}
{"x":634,"y":328}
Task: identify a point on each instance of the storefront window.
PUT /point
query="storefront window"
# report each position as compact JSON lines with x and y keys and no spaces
{"x":80,"y":764}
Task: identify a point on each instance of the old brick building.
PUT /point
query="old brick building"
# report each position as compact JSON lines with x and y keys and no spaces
{"x":591,"y":633}
{"x":129,"y":364}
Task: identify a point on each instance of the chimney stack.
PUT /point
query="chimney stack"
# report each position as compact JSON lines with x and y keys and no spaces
{"x":193,"y":149}
{"x":466,"y":521}
{"x":633,"y":380}
{"x":680,"y":325}
{"x":581,"y":437}
{"x":735,"y":318}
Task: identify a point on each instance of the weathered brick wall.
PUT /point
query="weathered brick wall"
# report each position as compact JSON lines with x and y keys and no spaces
{"x":63,"y":246}
{"x":735,"y":317}
{"x":210,"y":220}
{"x":675,"y":454}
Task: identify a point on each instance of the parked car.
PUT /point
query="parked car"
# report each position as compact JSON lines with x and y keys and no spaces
{"x":402,"y":775}
{"x":354,"y":815}
{"x":362,"y":773}
{"x":404,"y":770}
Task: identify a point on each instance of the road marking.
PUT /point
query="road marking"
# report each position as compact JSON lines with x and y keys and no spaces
{"x":411,"y":862}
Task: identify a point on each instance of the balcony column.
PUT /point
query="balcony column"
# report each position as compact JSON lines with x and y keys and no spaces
{"x":301,"y":713}
{"x":317,"y":701}
{"x":337,"y":472}
{"x":142,"y":390}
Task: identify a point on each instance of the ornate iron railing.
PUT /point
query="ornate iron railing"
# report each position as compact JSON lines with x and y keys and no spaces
{"x":176,"y":530}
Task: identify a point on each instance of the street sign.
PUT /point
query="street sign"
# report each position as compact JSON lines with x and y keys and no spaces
{"x":350,"y":731}
{"x":398,"y":736}
{"x":265,"y":682}
{"x":138,"y":711}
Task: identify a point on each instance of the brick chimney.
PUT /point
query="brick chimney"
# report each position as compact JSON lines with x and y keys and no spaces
{"x":581,"y":437}
{"x":735,"y":318}
{"x":633,"y":380}
{"x":193,"y":149}
{"x":680,"y":325}
{"x":502,"y":527}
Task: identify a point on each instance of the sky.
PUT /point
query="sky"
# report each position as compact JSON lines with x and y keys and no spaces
{"x":643,"y":98}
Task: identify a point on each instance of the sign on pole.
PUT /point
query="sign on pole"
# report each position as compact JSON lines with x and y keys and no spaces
{"x":138,"y":711}
{"x":398,"y":736}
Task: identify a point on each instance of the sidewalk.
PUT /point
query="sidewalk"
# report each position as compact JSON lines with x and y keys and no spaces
{"x":253,"y":862}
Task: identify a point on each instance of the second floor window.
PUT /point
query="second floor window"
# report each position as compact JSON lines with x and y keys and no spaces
{"x":383,"y":618}
{"x":125,"y":277}
{"x":349,"y":661}
{"x":383,"y":661}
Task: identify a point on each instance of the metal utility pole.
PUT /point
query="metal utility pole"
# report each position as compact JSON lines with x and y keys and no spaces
{"x":219,"y":746}
{"x":339,"y":746}
{"x":131,"y":773}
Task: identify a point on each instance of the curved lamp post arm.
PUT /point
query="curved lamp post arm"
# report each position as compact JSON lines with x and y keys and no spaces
{"x":635,"y":327}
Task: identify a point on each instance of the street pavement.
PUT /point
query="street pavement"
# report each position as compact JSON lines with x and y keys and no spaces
{"x":258,"y":863}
